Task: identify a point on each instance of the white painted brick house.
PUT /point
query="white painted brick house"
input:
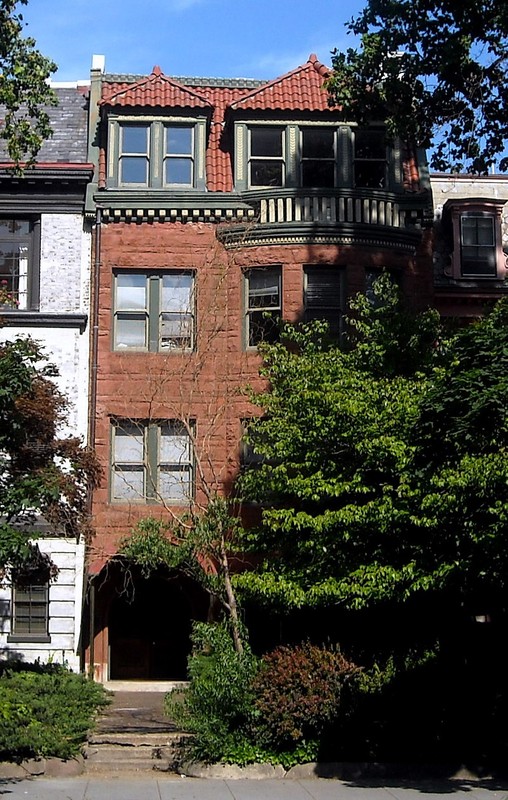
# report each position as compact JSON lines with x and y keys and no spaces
{"x":45,"y":248}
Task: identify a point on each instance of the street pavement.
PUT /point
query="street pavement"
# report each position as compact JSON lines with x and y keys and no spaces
{"x":141,"y":787}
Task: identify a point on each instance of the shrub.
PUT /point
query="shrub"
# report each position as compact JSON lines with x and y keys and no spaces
{"x":46,"y":711}
{"x":299,"y":691}
{"x":218,"y":705}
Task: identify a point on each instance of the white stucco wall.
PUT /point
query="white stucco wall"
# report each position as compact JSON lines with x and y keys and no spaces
{"x":64,"y":288}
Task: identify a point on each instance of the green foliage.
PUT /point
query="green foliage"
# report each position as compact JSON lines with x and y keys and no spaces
{"x":382,"y":476}
{"x":436,"y":72}
{"x":217,"y":706}
{"x":40,"y":473}
{"x":24,"y":91}
{"x":299,"y":692}
{"x":46,"y":712}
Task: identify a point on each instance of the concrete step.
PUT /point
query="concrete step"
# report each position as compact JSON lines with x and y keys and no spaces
{"x":138,"y":752}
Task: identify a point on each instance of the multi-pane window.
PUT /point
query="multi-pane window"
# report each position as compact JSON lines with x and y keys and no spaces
{"x":155,"y":154}
{"x":318,"y":157}
{"x":134,"y":154}
{"x":266,"y":156}
{"x":30,"y":605}
{"x":323,"y":296}
{"x":154,"y":311}
{"x":370,"y":164}
{"x":263,"y":305}
{"x":179,"y":155}
{"x":18,"y":280}
{"x":478,"y":246}
{"x":151,"y":461}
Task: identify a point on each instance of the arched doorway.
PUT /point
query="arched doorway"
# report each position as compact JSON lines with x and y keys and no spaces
{"x":149,"y":627}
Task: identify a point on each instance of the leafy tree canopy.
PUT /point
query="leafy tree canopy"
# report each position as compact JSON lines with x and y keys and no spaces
{"x":377,"y":484}
{"x":24,"y":91}
{"x":435,"y":70}
{"x":41,"y":475}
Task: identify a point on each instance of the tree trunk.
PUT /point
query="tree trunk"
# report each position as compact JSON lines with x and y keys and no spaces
{"x":233,"y":607}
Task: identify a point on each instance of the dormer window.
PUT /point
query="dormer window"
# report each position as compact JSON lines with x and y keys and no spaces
{"x":477,"y":249}
{"x":318,"y":157}
{"x":266,"y":156}
{"x":154,"y":153}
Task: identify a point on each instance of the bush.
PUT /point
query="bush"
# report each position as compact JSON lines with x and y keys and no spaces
{"x":46,"y":711}
{"x":218,"y":705}
{"x":299,"y":692}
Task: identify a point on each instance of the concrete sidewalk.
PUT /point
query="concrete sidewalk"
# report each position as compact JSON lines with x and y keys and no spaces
{"x":135,"y":787}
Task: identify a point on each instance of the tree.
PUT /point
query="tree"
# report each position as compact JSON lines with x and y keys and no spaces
{"x":436,"y":72}
{"x":382,"y":487}
{"x":24,"y":91}
{"x":41,"y":475}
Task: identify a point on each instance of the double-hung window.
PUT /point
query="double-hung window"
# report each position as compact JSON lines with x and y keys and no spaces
{"x":151,"y":461}
{"x":157,"y":153}
{"x":263,"y":305}
{"x":19,"y":259}
{"x":324,"y":296}
{"x":266,"y":163}
{"x":30,"y":606}
{"x":370,"y":162}
{"x":318,"y":157}
{"x":478,"y":246}
{"x":154,"y":311}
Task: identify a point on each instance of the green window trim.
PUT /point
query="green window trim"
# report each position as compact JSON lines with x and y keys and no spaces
{"x":157,"y":153}
{"x":151,"y":462}
{"x":20,"y":238}
{"x":154,"y":311}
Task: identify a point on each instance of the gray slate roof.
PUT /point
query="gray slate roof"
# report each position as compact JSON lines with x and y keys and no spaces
{"x":69,"y":123}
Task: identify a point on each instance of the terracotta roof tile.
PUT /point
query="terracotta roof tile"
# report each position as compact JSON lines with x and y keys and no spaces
{"x":155,"y":90}
{"x":298,"y":90}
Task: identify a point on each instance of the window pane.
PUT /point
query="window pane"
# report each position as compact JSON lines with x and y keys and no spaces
{"x":133,"y":169}
{"x":130,"y":331}
{"x":128,"y":483}
{"x":263,"y":327}
{"x":370,"y":144}
{"x":264,"y":288}
{"x":266,"y":141}
{"x":318,"y":143}
{"x":370,"y":174}
{"x":175,"y":485}
{"x":179,"y":171}
{"x":174,"y":448}
{"x":130,"y":291}
{"x":318,"y":173}
{"x":177,"y":292}
{"x":266,"y":173}
{"x":135,"y":139}
{"x":129,"y":445}
{"x":179,"y":140}
{"x":176,"y":330}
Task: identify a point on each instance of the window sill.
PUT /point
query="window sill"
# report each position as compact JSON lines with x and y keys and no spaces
{"x":28,"y":638}
{"x":43,"y":319}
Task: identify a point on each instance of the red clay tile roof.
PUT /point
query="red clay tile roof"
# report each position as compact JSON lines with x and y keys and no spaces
{"x":298,"y":90}
{"x":156,"y":90}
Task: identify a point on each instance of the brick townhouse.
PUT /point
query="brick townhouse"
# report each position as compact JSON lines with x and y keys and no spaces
{"x":221,"y":207}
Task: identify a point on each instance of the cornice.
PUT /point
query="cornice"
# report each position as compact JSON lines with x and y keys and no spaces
{"x":42,"y":319}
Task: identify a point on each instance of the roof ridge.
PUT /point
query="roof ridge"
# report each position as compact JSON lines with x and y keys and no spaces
{"x":312,"y":61}
{"x":187,"y":80}
{"x":156,"y":76}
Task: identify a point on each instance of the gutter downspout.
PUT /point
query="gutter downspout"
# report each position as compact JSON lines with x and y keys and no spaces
{"x":92,"y":408}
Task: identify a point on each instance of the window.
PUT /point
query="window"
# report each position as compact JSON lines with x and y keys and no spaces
{"x":157,"y":153}
{"x":19,"y":255}
{"x":370,"y":158}
{"x":30,"y":606}
{"x":266,"y":156}
{"x":263,"y":305}
{"x":154,"y":311}
{"x":323,"y":296}
{"x":151,"y":461}
{"x":478,"y":246}
{"x":318,"y":157}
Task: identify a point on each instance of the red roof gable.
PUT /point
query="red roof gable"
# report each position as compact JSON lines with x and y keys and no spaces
{"x":298,"y":90}
{"x":156,"y":90}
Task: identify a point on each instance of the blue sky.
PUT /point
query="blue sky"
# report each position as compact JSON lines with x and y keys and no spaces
{"x":216,"y":38}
